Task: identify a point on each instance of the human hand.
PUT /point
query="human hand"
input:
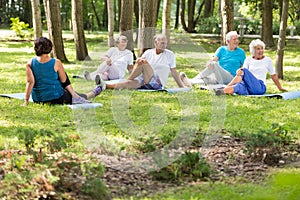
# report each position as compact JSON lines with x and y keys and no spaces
{"x":239,"y":72}
{"x":108,"y":61}
{"x":25,"y":103}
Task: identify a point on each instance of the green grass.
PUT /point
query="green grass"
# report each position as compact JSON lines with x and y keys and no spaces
{"x":144,"y":122}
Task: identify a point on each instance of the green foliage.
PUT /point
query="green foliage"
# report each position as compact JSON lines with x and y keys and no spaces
{"x":190,"y":165}
{"x":209,"y":25}
{"x":21,"y":28}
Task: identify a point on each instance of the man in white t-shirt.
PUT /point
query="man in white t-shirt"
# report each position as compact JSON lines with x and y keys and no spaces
{"x":151,"y":71}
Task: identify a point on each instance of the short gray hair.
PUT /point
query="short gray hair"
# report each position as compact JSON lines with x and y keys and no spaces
{"x":255,"y":43}
{"x":230,"y":34}
{"x":121,"y":38}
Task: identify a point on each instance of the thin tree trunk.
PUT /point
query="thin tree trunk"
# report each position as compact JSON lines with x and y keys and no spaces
{"x":52,"y":11}
{"x":166,"y":20}
{"x":227,"y":12}
{"x":36,"y":19}
{"x":177,"y":14}
{"x":96,"y":15}
{"x":267,"y":24}
{"x":111,"y":22}
{"x":79,"y":37}
{"x":281,"y":40}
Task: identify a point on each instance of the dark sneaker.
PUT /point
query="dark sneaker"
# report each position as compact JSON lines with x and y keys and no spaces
{"x":100,"y":82}
{"x":97,"y":90}
{"x":79,"y":100}
{"x":219,"y":92}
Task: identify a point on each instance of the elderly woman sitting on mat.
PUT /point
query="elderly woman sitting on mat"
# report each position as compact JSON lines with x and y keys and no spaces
{"x":251,"y":79}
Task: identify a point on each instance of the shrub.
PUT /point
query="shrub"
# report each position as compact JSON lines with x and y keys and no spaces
{"x":20,"y":28}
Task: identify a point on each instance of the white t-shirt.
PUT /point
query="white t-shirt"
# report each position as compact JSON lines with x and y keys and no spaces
{"x":259,"y":68}
{"x":161,"y":63}
{"x":120,"y":59}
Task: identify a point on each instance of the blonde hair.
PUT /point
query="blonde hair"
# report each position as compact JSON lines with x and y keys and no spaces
{"x":255,"y":43}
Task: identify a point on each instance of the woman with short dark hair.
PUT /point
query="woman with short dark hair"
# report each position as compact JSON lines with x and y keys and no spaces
{"x":47,"y":81}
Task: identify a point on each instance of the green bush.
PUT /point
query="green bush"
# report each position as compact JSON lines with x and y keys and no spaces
{"x":21,"y":28}
{"x":209,"y":25}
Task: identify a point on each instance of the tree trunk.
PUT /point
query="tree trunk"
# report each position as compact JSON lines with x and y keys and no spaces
{"x":126,"y":22}
{"x":177,"y":14}
{"x":52,"y":11}
{"x":166,"y":20}
{"x":191,"y":13}
{"x":36,"y":19}
{"x":267,"y":24}
{"x":182,"y":16}
{"x":227,"y":12}
{"x":79,"y":38}
{"x":96,"y":15}
{"x":208,"y":8}
{"x":147,"y":21}
{"x":281,"y":40}
{"x":111,"y":22}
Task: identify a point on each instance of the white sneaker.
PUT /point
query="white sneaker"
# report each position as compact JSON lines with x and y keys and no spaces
{"x":185,"y":79}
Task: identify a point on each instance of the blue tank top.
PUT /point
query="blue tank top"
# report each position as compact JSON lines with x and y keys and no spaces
{"x":47,"y":84}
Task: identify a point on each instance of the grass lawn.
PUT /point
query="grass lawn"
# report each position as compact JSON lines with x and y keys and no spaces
{"x":139,"y":122}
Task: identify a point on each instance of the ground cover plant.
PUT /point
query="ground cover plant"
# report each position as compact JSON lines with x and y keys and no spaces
{"x":49,"y":151}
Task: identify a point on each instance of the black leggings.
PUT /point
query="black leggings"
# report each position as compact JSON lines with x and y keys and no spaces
{"x":66,"y":98}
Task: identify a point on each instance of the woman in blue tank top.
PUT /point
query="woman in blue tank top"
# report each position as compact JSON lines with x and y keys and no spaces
{"x":47,"y":80}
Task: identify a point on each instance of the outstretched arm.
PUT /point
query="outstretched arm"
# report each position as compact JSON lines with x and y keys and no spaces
{"x":277,"y":83}
{"x":176,"y":77}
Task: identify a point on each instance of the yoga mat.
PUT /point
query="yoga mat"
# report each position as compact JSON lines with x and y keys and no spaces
{"x":21,"y":96}
{"x":285,"y":95}
{"x":169,"y":90}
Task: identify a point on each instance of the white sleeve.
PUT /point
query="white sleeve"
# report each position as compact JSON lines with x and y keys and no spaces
{"x":270,"y":67}
{"x":246,"y":63}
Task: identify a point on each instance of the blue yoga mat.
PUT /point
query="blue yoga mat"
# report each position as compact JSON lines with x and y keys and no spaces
{"x":169,"y":90}
{"x":21,"y":96}
{"x":285,"y":95}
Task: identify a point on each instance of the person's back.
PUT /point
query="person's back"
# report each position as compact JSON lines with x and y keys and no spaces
{"x":47,"y":85}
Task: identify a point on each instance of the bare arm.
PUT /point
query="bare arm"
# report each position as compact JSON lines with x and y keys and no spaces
{"x":29,"y":84}
{"x":130,"y":68}
{"x":176,"y":77}
{"x":277,"y":83}
{"x":60,"y":70}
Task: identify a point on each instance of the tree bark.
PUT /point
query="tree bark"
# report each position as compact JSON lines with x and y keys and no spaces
{"x":126,"y":22}
{"x":53,"y":16}
{"x":79,"y":37}
{"x":36,"y":18}
{"x":166,"y":20}
{"x":147,"y":22}
{"x":227,"y":12}
{"x":267,"y":24}
{"x":111,"y":22}
{"x":177,"y":14}
{"x":281,"y":40}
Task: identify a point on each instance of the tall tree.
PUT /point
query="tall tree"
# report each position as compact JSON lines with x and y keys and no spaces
{"x":53,"y":17}
{"x":177,"y":14}
{"x":227,"y":12}
{"x":78,"y":31}
{"x":208,"y":8}
{"x":281,"y":40}
{"x":166,"y":19}
{"x":190,"y":27}
{"x":36,"y":18}
{"x":267,"y":23}
{"x":126,"y":22}
{"x":147,"y":24}
{"x":111,"y":22}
